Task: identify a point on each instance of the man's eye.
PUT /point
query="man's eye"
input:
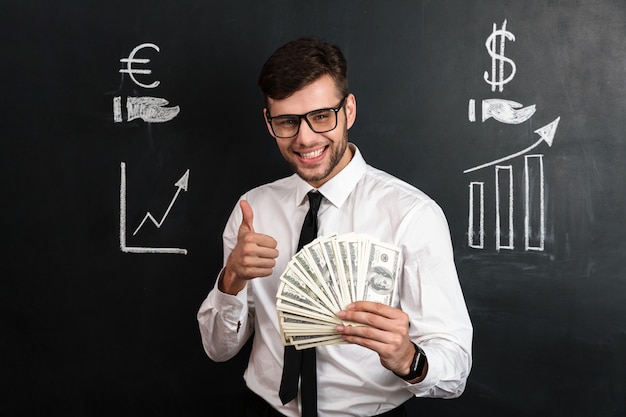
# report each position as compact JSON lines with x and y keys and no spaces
{"x":320,"y":116}
{"x":287,"y":121}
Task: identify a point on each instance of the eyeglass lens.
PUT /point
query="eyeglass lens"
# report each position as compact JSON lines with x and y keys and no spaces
{"x":319,"y":121}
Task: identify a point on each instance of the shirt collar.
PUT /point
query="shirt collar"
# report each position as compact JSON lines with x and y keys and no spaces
{"x":337,"y":189}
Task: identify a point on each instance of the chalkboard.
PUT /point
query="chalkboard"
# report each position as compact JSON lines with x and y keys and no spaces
{"x":129,"y":129}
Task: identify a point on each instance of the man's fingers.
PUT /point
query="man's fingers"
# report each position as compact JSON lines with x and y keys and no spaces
{"x":376,"y":315}
{"x":376,"y":308}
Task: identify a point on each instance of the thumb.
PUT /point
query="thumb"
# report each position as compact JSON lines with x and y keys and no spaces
{"x":248,"y":216}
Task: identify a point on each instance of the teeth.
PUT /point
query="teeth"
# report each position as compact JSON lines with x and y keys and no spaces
{"x":312,"y":154}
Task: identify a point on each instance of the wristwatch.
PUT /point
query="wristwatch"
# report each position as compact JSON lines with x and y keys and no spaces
{"x":417,"y":365}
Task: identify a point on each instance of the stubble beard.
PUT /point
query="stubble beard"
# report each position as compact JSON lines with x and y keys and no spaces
{"x":335,"y":158}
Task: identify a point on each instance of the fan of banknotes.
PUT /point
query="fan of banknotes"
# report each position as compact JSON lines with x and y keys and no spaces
{"x":324,"y":277}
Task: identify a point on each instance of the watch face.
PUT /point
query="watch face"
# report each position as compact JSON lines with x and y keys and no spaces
{"x":417,"y":365}
{"x":416,"y":361}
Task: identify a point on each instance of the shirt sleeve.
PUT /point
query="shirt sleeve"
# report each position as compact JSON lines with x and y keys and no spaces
{"x":226,"y":321}
{"x":431,"y":294}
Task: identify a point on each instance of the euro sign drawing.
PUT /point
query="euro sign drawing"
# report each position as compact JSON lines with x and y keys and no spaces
{"x":132,"y":60}
{"x":498,"y":59}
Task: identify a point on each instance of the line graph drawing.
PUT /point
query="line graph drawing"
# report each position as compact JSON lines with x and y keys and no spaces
{"x":182,"y":185}
{"x":546,"y":134}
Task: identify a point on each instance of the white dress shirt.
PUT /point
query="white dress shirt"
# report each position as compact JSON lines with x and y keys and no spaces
{"x":351,"y":380}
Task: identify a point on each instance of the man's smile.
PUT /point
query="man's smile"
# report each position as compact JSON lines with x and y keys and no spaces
{"x":311,"y":154}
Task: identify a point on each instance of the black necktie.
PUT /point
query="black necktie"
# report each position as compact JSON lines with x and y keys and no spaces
{"x":303,"y":362}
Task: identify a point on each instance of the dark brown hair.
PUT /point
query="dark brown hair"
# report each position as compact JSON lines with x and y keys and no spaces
{"x":298,"y":63}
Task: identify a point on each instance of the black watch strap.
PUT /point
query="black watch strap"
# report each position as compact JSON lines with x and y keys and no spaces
{"x":417,"y":365}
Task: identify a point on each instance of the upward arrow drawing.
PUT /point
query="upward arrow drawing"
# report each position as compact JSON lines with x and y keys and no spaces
{"x":182,"y":184}
{"x":546,"y":133}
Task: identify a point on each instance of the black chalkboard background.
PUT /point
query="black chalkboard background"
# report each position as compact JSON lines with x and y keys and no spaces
{"x":90,"y":330}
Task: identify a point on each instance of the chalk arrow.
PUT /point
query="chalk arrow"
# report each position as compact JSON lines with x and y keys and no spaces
{"x":546,"y":133}
{"x":505,"y":111}
{"x":182,"y":184}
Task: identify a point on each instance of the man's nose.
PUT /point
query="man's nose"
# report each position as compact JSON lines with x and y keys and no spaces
{"x":305,"y":133}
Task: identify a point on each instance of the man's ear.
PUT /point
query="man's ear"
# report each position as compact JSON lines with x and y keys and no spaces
{"x":350,"y":108}
{"x":267,"y":124}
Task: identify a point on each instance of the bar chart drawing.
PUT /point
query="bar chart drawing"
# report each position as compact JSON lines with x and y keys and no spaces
{"x":476,"y":221}
{"x":504,"y":207}
{"x":504,"y":211}
{"x":534,"y":234}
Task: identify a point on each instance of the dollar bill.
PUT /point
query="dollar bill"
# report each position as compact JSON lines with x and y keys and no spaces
{"x":325,"y":276}
{"x":285,"y":302}
{"x":314,"y":253}
{"x":381,"y":272}
{"x":332,"y":255}
{"x":295,"y":281}
{"x":304,"y":341}
{"x":349,"y":247}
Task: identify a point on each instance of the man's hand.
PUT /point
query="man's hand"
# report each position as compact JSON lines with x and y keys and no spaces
{"x":386,"y":332}
{"x":254,"y":255}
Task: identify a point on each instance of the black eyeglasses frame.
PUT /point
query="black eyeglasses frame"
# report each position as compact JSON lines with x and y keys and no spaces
{"x":304,"y":116}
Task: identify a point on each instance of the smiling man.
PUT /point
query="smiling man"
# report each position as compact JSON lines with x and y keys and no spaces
{"x":420,"y":345}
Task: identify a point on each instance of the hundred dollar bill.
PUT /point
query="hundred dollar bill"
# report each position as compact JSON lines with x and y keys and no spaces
{"x":326,"y":275}
{"x":292,"y":323}
{"x":323,"y":342}
{"x":331,"y":253}
{"x":289,"y":318}
{"x":317,"y":262}
{"x":293,"y":295}
{"x":309,"y":338}
{"x":289,"y":328}
{"x":381,"y":272}
{"x":318,"y":275}
{"x":310,"y":330}
{"x":287,"y":302}
{"x":344,"y":265}
{"x":304,"y":342}
{"x":349,"y":246}
{"x":295,"y":280}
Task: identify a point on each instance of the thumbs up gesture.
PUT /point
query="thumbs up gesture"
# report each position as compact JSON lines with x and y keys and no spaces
{"x":253,"y":256}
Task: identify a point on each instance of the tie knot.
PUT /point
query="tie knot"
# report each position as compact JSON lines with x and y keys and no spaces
{"x":315,"y":198}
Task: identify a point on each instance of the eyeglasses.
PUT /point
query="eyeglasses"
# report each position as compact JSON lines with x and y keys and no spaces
{"x":287,"y":126}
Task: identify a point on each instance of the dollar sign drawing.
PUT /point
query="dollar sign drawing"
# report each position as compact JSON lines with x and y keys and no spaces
{"x":497,"y":72}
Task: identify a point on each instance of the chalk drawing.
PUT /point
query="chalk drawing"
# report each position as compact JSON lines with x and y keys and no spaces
{"x":476,"y":229}
{"x":537,"y":161}
{"x":504,"y":203}
{"x":181,"y":184}
{"x":498,"y":59}
{"x":546,"y":134}
{"x":508,"y":112}
{"x":148,"y":109}
{"x":132,"y":60}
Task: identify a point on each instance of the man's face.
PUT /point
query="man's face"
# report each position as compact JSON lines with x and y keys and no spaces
{"x":316,"y":157}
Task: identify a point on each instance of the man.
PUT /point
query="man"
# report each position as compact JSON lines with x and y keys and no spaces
{"x":421,"y":344}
